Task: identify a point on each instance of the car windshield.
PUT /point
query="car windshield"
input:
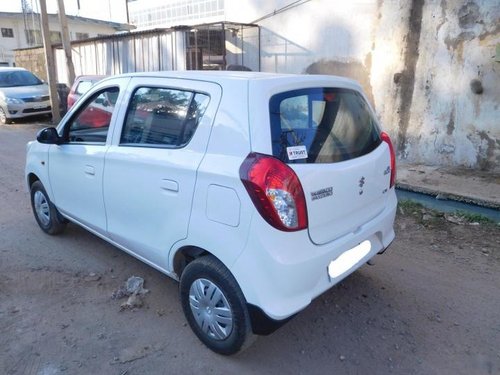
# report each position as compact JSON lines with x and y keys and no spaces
{"x":16,"y":78}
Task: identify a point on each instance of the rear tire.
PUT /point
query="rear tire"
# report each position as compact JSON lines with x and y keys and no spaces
{"x":215,"y":307}
{"x":46,"y":214}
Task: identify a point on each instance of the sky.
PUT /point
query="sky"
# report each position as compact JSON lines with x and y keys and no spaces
{"x":109,"y":10}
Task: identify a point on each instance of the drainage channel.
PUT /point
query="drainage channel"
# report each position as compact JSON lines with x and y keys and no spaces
{"x":442,"y":205}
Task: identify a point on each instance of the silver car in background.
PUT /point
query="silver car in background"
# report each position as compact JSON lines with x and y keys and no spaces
{"x":22,"y":94}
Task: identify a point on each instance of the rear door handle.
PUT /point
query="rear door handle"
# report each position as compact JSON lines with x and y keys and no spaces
{"x":90,"y":170}
{"x":169,"y":185}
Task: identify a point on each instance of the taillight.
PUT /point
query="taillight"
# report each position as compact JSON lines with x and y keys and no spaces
{"x":275,"y":191}
{"x":385,"y":137}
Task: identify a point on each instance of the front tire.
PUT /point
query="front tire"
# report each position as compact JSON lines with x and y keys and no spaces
{"x":215,"y":307}
{"x":46,"y":214}
{"x":3,"y":117}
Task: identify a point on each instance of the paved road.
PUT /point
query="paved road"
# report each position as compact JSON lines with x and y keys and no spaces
{"x":429,"y":306}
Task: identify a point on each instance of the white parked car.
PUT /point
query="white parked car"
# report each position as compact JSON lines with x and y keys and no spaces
{"x":258,"y":192}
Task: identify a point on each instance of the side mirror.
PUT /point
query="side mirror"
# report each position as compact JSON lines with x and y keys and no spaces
{"x":48,"y":136}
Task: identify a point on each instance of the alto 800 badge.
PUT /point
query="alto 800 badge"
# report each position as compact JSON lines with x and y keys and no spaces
{"x":323,"y":193}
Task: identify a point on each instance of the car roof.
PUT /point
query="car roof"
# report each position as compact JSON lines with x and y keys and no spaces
{"x":10,"y":69}
{"x":225,"y":76}
{"x":90,"y":77}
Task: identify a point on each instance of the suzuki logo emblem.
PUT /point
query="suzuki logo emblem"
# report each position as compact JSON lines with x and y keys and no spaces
{"x":361,"y":182}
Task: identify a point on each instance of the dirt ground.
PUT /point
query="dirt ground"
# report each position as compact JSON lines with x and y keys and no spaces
{"x":430,"y":305}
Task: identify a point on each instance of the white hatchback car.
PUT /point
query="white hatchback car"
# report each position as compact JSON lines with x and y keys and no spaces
{"x":258,"y":192}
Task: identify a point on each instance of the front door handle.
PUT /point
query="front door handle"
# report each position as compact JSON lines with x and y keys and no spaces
{"x":90,"y":170}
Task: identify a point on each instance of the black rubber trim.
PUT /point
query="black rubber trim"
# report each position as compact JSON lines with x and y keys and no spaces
{"x":262,"y":324}
{"x":383,"y":250}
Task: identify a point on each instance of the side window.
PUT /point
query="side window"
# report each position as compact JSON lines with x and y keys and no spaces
{"x":160,"y":117}
{"x":91,"y":123}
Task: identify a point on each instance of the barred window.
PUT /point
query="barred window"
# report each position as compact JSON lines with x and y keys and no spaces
{"x":7,"y":32}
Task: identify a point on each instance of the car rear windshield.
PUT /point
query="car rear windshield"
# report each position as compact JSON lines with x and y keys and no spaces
{"x":322,"y":125}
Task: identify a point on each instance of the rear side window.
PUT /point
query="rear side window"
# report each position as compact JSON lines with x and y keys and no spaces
{"x":161,"y":117}
{"x":321,"y":125}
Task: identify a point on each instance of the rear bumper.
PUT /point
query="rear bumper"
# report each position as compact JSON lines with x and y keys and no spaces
{"x":281,"y":273}
{"x":262,"y":324}
{"x":384,"y":249}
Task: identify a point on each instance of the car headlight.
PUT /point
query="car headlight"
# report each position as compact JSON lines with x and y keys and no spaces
{"x":13,"y":100}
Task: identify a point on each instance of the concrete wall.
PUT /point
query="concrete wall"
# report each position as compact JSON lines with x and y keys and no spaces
{"x":32,"y":59}
{"x":422,"y":64}
{"x":455,"y":115}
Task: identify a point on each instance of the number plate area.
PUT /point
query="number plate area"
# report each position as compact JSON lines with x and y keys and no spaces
{"x":348,"y":259}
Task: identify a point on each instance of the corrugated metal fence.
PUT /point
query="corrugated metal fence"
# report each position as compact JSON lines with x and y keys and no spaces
{"x":210,"y":46}
{"x":138,"y":52}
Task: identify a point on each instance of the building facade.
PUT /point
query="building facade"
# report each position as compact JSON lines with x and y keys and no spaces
{"x":21,"y":31}
{"x":147,"y":14}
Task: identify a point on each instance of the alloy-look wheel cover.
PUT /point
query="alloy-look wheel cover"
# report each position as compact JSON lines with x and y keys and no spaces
{"x":42,"y":208}
{"x":210,"y":309}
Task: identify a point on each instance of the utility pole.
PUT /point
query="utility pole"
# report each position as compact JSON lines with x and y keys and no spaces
{"x":66,"y":42}
{"x":49,"y":60}
{"x":126,"y":8}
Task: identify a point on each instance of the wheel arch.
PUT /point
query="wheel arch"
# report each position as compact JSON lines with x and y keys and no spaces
{"x":31,"y":179}
{"x":185,"y":255}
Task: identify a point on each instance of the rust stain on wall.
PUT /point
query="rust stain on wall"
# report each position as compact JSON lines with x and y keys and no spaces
{"x":443,"y":16}
{"x":451,"y":124}
{"x":407,"y":78}
{"x":457,"y":44}
{"x":468,"y":15}
{"x":485,"y":146}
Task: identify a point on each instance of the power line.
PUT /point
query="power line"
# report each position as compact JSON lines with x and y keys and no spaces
{"x":282,"y":9}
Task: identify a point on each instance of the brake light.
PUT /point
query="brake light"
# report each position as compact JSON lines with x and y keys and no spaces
{"x":385,"y":137}
{"x":275,"y":191}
